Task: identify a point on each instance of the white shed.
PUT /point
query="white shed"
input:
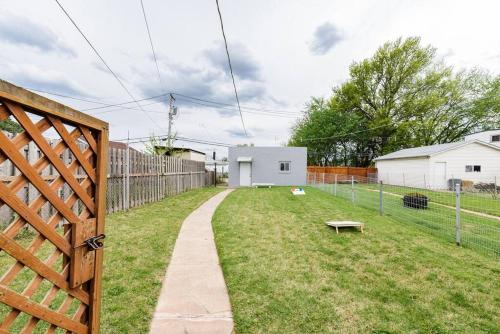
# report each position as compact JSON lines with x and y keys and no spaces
{"x":434,"y":166}
{"x":490,"y":136}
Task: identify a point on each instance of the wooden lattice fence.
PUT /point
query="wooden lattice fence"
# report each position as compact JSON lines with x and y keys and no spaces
{"x":50,"y":278}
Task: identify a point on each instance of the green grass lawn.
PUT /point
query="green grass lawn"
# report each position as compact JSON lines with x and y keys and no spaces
{"x":138,"y":247}
{"x":139,"y":244}
{"x":478,"y":232}
{"x":479,"y":202}
{"x":289,"y":273}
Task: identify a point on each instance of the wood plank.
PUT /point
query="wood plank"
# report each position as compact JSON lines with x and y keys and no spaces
{"x":82,"y":259}
{"x":44,"y":106}
{"x":22,"y":139}
{"x":27,"y":214}
{"x":62,"y":309}
{"x":49,"y":153}
{"x":31,"y":261}
{"x":96,"y":283}
{"x":89,"y":138}
{"x":47,"y":299}
{"x":32,"y":286}
{"x":36,"y":244}
{"x":18,"y":182}
{"x":73,"y":147}
{"x":80,"y":315}
{"x":13,"y":228}
{"x":32,"y":175}
{"x":26,"y":305}
{"x":4,"y":113}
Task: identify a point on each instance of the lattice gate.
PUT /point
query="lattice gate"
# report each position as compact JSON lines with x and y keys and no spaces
{"x":51,"y":268}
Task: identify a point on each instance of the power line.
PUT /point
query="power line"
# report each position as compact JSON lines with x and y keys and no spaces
{"x":230,"y":67}
{"x":164,"y":137}
{"x":230,"y":109}
{"x":151,"y":43}
{"x":345,"y":134}
{"x":104,"y":105}
{"x":103,"y":61}
{"x":122,"y":105}
{"x":242,"y":107}
{"x":130,"y":108}
{"x":183,"y":97}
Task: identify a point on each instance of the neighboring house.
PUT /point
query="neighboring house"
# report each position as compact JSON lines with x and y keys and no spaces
{"x":120,"y":146}
{"x":281,"y":166}
{"x":434,"y":166}
{"x":187,"y":154}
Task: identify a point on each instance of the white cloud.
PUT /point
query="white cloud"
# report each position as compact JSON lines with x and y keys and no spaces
{"x":326,"y":36}
{"x":34,"y":77}
{"x":270,"y":43}
{"x":25,"y":32}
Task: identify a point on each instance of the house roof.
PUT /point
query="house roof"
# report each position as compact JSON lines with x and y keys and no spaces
{"x":482,"y":131}
{"x":120,"y":146}
{"x":184,"y":149}
{"x":427,"y":151}
{"x":180,"y":149}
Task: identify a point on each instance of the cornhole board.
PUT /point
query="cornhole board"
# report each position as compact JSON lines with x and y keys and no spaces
{"x":345,"y":223}
{"x":298,"y":191}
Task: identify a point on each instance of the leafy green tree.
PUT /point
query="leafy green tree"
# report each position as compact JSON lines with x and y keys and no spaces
{"x":154,"y":146}
{"x":10,"y":126}
{"x":400,"y":97}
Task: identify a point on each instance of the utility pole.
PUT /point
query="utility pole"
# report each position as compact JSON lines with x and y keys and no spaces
{"x":171,"y":113}
{"x":215,"y":170}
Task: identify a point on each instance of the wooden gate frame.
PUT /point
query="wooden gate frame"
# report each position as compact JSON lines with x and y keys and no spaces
{"x":71,"y":280}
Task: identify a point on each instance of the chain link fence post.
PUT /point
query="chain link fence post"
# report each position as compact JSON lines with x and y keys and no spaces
{"x":458,"y":236}
{"x":335,"y":186}
{"x":381,"y":200}
{"x":495,"y":188}
{"x":352,"y":188}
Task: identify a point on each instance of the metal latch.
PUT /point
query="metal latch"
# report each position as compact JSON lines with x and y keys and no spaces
{"x":94,"y":243}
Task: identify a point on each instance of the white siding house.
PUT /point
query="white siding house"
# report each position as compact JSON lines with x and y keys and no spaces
{"x":434,"y":166}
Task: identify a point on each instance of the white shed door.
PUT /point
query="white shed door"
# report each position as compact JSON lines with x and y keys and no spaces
{"x":245,"y":174}
{"x":440,"y":175}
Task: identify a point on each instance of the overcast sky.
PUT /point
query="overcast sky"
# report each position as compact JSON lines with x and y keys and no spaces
{"x":283,"y":52}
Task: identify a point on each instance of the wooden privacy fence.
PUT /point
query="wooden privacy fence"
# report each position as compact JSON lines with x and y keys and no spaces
{"x":133,"y":180}
{"x":136,"y":178}
{"x":50,"y":274}
{"x":342,"y":170}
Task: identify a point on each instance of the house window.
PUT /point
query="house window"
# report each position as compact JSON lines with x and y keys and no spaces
{"x":473,"y":168}
{"x":285,"y":166}
{"x":495,"y":139}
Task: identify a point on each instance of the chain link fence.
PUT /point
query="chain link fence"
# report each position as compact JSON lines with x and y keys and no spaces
{"x":465,"y":213}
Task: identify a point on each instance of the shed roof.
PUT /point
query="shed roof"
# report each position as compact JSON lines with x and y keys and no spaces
{"x":427,"y":151}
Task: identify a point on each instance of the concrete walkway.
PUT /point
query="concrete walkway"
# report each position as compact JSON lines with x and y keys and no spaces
{"x":194,"y":297}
